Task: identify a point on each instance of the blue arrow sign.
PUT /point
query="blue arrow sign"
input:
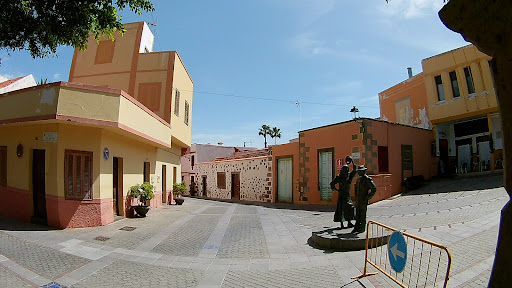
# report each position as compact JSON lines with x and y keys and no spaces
{"x":397,"y":251}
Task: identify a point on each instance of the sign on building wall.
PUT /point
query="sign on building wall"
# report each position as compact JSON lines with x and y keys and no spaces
{"x":356,"y":155}
{"x":50,"y":137}
{"x":339,"y":163}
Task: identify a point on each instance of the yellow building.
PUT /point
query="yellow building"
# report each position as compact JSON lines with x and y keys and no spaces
{"x":463,"y":109}
{"x":74,"y":148}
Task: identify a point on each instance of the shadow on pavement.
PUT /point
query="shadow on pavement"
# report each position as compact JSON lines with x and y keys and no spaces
{"x":289,"y":206}
{"x":8,"y":224}
{"x":458,"y":183}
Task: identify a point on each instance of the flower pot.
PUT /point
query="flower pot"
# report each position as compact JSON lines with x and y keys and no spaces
{"x":179,"y":201}
{"x":141,"y":210}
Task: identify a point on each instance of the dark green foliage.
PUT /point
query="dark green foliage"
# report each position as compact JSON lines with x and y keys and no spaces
{"x":41,"y":26}
{"x":142,"y":191}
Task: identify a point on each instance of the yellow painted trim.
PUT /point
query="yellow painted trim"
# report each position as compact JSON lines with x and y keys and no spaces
{"x":466,"y":115}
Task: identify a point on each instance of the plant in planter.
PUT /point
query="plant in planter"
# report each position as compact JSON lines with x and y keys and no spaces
{"x":144,"y":192}
{"x":179,"y":189}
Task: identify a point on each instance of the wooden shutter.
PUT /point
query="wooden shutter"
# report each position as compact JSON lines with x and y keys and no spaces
{"x":78,"y":175}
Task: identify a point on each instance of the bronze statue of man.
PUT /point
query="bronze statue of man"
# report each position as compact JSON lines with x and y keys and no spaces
{"x":365,"y":189}
{"x":344,"y":207}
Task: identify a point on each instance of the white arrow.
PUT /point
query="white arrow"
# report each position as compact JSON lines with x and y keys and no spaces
{"x":396,"y":252}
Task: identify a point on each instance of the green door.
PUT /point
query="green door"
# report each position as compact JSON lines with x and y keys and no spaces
{"x":284,"y":180}
{"x":325,"y":175}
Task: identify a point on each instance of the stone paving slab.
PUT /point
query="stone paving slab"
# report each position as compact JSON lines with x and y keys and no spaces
{"x":44,"y":261}
{"x":190,"y":239}
{"x":244,"y":238}
{"x":11,"y":280}
{"x":205,"y":243}
{"x":305,"y":277}
{"x":130,"y":274}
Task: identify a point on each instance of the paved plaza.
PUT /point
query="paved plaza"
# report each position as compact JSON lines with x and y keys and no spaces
{"x":206,"y":243}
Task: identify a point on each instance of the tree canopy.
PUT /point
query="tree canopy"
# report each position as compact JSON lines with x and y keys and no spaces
{"x":275,"y":133}
{"x":40,"y":26}
{"x":264,"y":131}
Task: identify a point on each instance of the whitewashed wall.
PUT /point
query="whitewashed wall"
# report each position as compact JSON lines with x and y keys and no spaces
{"x":255,"y":178}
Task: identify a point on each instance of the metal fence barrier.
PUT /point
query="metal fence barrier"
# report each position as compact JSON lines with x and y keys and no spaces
{"x":421,"y":263}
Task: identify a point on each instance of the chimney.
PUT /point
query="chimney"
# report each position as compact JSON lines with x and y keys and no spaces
{"x":409,"y":71}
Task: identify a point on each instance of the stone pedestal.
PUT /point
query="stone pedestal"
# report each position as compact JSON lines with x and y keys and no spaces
{"x":338,"y":239}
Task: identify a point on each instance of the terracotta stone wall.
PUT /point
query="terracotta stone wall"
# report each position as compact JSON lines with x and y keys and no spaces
{"x":342,"y":138}
{"x":16,"y":203}
{"x":64,"y":213}
{"x":255,"y":178}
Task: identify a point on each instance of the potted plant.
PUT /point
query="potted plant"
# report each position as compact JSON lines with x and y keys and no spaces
{"x":179,"y":189}
{"x":144,"y":192}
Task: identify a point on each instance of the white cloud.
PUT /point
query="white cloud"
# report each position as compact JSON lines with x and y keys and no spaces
{"x":13,"y":75}
{"x":57,"y":77}
{"x":409,"y":9}
{"x":307,"y":44}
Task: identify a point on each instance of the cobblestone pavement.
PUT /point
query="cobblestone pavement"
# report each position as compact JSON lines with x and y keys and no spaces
{"x":206,"y":243}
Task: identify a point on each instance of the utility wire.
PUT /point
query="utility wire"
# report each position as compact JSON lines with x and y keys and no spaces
{"x":275,"y":100}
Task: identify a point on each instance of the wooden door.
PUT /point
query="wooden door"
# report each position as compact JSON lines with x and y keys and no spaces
{"x":115,"y":175}
{"x":325,"y":174}
{"x":39,"y":183}
{"x":204,"y":186}
{"x":3,"y":165}
{"x":147,"y":171}
{"x":117,"y":193}
{"x":235,"y":186}
{"x":164,"y":184}
{"x":284,"y":180}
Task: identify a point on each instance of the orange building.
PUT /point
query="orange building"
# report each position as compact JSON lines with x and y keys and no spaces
{"x":457,"y":89}
{"x":406,"y":103}
{"x":391,"y":152}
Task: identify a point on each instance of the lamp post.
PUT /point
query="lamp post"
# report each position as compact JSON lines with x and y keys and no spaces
{"x":355,"y":111}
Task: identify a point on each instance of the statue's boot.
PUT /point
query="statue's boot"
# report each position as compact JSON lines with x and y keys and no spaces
{"x":350,"y":225}
{"x":342,"y":226}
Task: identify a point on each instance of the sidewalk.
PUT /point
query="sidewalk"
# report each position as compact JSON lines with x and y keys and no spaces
{"x":206,"y":243}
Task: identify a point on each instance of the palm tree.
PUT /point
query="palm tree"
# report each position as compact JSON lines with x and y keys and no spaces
{"x":264,"y":131}
{"x":275,"y":133}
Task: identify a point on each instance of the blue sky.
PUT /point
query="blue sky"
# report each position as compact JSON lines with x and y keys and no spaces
{"x":251,"y":61}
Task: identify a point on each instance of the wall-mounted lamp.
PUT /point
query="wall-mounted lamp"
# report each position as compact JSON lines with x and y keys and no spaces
{"x":19,"y":150}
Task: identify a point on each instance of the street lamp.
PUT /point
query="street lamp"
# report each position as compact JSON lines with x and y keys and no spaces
{"x":355,"y":111}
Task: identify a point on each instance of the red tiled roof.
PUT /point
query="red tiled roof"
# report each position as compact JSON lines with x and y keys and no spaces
{"x":245,"y":154}
{"x":9,"y":82}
